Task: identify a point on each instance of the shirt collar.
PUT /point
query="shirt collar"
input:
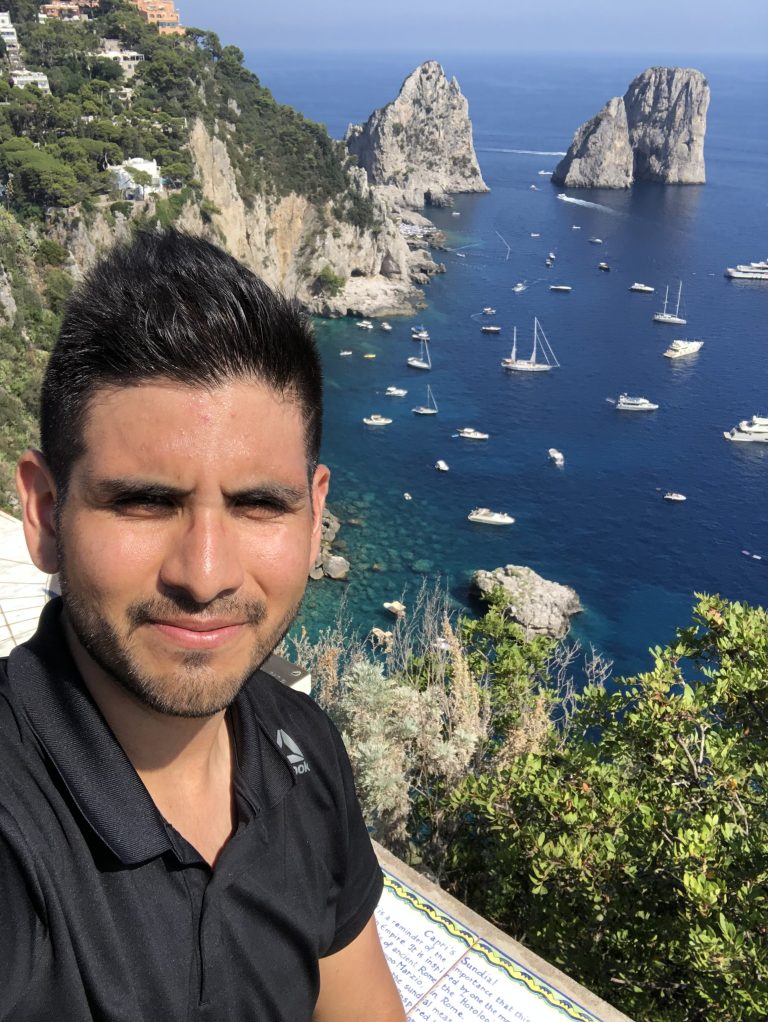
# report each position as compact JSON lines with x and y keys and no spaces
{"x":91,"y":762}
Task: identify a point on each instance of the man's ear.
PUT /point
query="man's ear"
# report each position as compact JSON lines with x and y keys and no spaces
{"x":320,"y":482}
{"x":37,"y":493}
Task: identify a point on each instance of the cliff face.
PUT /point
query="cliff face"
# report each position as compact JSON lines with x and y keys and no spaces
{"x":288,"y":241}
{"x":419,"y":147}
{"x":667,"y":119}
{"x":654,"y":133}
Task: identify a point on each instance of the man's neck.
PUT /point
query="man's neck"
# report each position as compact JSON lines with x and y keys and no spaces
{"x":185,"y":763}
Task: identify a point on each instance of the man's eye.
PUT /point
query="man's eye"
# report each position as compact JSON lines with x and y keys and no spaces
{"x":261,"y":507}
{"x":142,"y":502}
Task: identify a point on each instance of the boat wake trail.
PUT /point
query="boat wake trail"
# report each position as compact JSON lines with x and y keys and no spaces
{"x":520,"y":152}
{"x":591,"y":205}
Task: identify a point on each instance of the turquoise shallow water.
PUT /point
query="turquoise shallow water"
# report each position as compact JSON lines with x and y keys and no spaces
{"x":599,"y":524}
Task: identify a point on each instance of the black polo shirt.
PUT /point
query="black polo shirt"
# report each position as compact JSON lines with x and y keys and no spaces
{"x":107,"y":913}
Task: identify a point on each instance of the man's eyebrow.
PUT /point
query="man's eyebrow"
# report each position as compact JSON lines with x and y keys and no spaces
{"x":275,"y":493}
{"x":269,"y":492}
{"x":114,"y":489}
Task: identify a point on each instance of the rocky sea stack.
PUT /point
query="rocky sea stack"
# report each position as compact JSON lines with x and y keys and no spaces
{"x":419,"y":147}
{"x":654,"y":133}
{"x":542,"y":607}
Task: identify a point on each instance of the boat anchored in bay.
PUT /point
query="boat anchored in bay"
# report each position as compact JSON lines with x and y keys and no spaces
{"x":484,"y":516}
{"x":541,"y":346}
{"x":671,"y":317}
{"x":680,"y":348}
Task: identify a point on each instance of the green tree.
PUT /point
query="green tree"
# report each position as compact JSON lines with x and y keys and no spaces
{"x":632,"y":850}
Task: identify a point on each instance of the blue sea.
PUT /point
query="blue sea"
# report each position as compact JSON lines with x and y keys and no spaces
{"x":599,"y":524}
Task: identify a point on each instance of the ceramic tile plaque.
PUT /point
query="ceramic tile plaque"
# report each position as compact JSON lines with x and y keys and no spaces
{"x":447,"y":973}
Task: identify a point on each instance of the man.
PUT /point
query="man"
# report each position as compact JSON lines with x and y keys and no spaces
{"x":179,"y":836}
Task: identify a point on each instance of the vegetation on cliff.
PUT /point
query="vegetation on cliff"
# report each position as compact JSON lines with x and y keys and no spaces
{"x":620,"y":831}
{"x":57,"y":150}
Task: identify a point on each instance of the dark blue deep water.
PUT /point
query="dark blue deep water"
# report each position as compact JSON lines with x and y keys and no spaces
{"x":600,"y":524}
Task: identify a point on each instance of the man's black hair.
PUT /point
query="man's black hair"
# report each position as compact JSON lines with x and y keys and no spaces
{"x":171,"y":306}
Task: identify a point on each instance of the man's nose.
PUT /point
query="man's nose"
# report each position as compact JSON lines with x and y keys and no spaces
{"x":203,"y":557}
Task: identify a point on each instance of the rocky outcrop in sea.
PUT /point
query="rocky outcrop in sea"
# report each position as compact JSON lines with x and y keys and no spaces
{"x":655,"y":132}
{"x":540,"y":606}
{"x":329,"y":564}
{"x":418,"y":149}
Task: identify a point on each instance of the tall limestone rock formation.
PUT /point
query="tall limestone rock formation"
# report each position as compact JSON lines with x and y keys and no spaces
{"x":419,"y":148}
{"x":654,"y":133}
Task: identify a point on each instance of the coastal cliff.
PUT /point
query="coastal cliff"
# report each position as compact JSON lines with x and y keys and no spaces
{"x":655,"y":132}
{"x":418,"y":149}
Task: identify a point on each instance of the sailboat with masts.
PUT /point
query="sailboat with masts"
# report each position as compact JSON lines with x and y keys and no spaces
{"x":669,"y":317}
{"x":542,"y":357}
{"x":422,"y":361}
{"x":430,"y":408}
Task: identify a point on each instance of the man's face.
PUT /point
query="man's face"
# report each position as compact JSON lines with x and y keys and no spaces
{"x":186,"y":536}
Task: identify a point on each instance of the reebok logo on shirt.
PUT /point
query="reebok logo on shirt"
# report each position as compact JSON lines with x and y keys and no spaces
{"x":294,"y":753}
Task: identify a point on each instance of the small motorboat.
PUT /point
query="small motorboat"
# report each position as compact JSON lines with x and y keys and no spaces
{"x":377,"y":420}
{"x":556,"y":456}
{"x":345,"y":353}
{"x":484,"y":516}
{"x":644,"y":289}
{"x":369,"y":354}
{"x":395,"y":391}
{"x":469,"y":433}
{"x":441,"y":466}
{"x":364,"y":324}
{"x":489,"y":311}
{"x":490,"y":329}
{"x":595,"y":241}
{"x":673,"y":496}
{"x":563,"y":288}
{"x":385,"y":326}
{"x":519,"y":287}
{"x":604,"y":267}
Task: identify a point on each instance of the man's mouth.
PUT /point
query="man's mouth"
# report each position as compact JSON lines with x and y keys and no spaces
{"x":198,"y":633}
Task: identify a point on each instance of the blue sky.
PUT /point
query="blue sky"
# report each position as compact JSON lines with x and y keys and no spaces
{"x":591,"y":26}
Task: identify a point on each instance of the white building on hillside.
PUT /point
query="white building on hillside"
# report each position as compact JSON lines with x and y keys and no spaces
{"x":125,"y":178}
{"x":22,"y":78}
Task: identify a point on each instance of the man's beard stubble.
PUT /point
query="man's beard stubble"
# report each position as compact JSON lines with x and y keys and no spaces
{"x":193,"y":689}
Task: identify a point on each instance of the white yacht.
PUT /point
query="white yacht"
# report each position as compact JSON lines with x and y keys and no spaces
{"x":519,"y":287}
{"x":673,"y":496}
{"x":441,"y":466}
{"x":535,"y":234}
{"x":385,"y":326}
{"x":564,"y":288}
{"x":742,"y":436}
{"x":469,"y":433}
{"x":625,"y":403}
{"x":671,"y":317}
{"x":604,"y":267}
{"x":595,"y":241}
{"x":490,"y":329}
{"x":395,"y":391}
{"x":679,"y":348}
{"x":430,"y":408}
{"x":485,"y":516}
{"x":644,"y":289}
{"x":345,"y":353}
{"x":749,"y":271}
{"x":422,"y":360}
{"x":376,"y":420}
{"x":420,"y":335}
{"x":556,"y":456}
{"x":532,"y":364}
{"x":489,"y":311}
{"x":364,"y":324}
